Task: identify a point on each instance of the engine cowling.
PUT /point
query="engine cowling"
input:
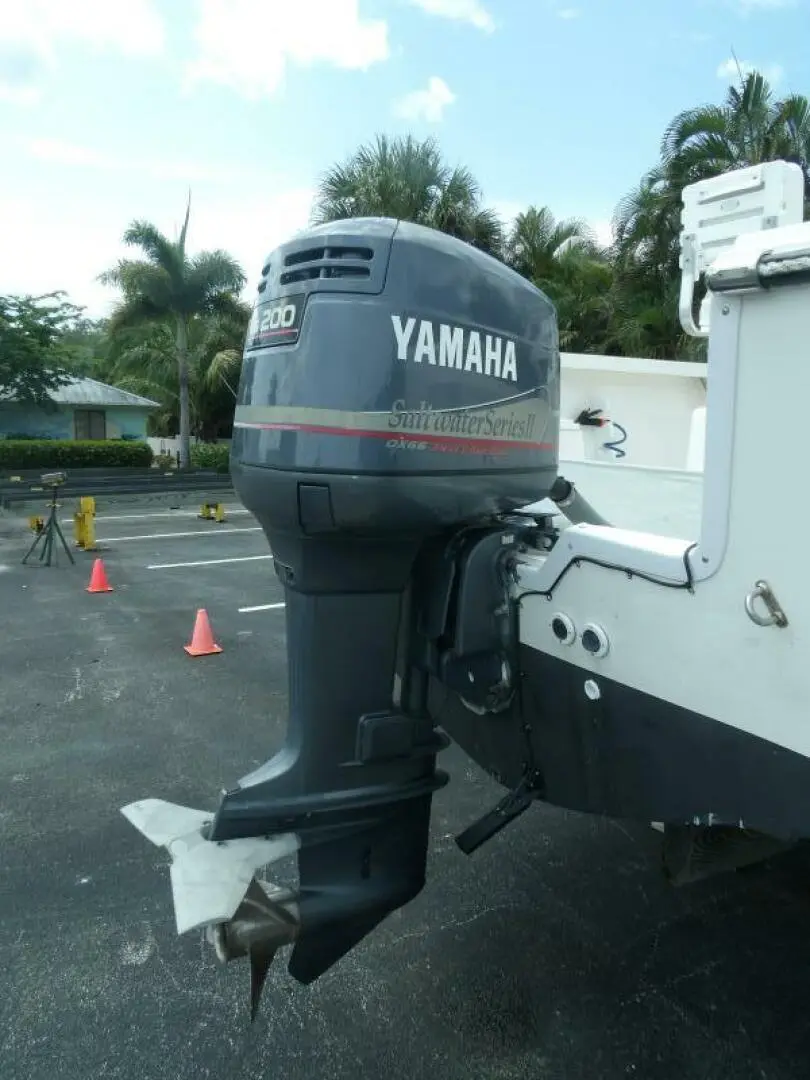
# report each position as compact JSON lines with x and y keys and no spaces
{"x":396,"y":381}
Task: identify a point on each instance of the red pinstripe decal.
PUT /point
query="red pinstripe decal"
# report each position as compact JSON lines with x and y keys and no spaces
{"x":483,"y":446}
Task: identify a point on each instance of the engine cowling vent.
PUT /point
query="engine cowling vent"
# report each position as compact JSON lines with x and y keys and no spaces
{"x":324,"y":263}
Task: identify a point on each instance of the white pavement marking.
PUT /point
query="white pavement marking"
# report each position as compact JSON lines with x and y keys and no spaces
{"x":171,"y":535}
{"x":261,"y":607}
{"x":207,"y":562}
{"x":160,"y":513}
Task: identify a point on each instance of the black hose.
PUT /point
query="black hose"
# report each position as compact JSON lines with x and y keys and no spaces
{"x":576,"y":508}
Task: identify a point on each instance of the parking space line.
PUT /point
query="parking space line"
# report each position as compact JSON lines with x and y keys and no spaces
{"x":207,"y":562}
{"x":261,"y":607}
{"x":160,"y":513}
{"x":171,"y":535}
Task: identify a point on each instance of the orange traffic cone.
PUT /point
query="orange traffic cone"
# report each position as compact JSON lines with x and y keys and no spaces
{"x":202,"y":640}
{"x":98,"y":578}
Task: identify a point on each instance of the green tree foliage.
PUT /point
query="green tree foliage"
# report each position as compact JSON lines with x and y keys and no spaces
{"x":167,"y":287}
{"x":749,"y":127}
{"x":405,"y":178}
{"x":142,"y":359}
{"x":621,"y":300}
{"x":35,"y":355}
{"x":90,"y":346}
{"x":564,"y":259}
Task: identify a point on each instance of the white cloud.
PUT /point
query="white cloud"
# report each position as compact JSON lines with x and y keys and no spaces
{"x":34,"y":33}
{"x":89,"y":240}
{"x":248,"y":230}
{"x":428,"y":104}
{"x":603,"y":231}
{"x":86,"y":229}
{"x":245,"y":45}
{"x":471,"y":11}
{"x":731,"y":69}
{"x":132,"y":27}
{"x":74,"y":155}
{"x":59,"y":152}
{"x":27,"y":94}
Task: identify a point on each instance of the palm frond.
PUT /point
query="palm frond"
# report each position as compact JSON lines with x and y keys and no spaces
{"x":134,"y":311}
{"x":209,"y":275}
{"x":160,"y":252}
{"x":707,"y":119}
{"x":406,"y":178}
{"x":486,"y":231}
{"x":224,"y":368}
{"x":229,"y":313}
{"x":137,"y":278}
{"x":181,"y":243}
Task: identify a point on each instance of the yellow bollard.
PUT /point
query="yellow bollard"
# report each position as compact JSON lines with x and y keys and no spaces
{"x":36,"y":524}
{"x":88,"y":506}
{"x":212,"y":512}
{"x":84,"y":524}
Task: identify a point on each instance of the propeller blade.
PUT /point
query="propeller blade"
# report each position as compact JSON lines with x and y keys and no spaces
{"x":261,"y":957}
{"x":267,"y":919}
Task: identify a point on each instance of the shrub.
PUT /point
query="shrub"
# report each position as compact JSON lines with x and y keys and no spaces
{"x":211,"y":456}
{"x":73,"y":454}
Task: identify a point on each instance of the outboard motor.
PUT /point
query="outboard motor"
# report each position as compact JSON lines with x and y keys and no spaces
{"x":399,"y":400}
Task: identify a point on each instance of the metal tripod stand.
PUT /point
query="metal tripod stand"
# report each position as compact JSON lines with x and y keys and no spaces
{"x":50,"y":529}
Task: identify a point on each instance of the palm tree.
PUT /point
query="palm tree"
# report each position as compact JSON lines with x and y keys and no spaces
{"x":408,"y":179}
{"x":536,"y":242}
{"x":646,"y":224}
{"x":169,"y":287}
{"x":646,"y":252}
{"x":581,"y":289}
{"x":748,"y":128}
{"x":143,"y":360}
{"x":564,"y":259}
{"x":751,"y":126}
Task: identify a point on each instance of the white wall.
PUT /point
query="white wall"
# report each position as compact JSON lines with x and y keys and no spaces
{"x":171,"y":445}
{"x":663,"y":501}
{"x":654,"y":400}
{"x":658,"y":486}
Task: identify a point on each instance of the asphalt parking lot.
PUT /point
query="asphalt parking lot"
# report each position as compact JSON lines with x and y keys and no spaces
{"x":556,"y":952}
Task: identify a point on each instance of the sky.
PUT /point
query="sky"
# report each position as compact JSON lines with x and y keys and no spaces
{"x":113,"y":110}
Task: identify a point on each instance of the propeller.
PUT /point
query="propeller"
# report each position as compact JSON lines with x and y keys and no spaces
{"x":214,"y":886}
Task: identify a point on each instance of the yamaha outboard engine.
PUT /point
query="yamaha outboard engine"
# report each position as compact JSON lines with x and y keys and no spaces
{"x":399,"y":399}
